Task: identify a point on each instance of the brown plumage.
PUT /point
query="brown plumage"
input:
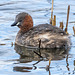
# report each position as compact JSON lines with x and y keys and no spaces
{"x":29,"y":36}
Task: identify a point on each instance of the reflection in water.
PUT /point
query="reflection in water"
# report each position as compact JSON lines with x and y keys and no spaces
{"x":32,"y":54}
{"x":74,"y":68}
{"x":49,"y":72}
{"x":67,"y":63}
{"x":29,"y":55}
{"x":22,"y":69}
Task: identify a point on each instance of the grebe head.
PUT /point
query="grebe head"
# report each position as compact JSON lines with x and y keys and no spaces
{"x":23,"y":21}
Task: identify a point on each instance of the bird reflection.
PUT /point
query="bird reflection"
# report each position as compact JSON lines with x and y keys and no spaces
{"x":28,"y":55}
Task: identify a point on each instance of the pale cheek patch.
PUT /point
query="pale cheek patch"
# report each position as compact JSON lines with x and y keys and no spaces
{"x":18,"y":23}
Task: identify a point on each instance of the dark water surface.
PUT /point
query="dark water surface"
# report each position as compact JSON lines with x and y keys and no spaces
{"x":16,"y":60}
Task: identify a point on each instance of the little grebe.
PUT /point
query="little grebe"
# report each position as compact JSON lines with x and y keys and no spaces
{"x":29,"y":36}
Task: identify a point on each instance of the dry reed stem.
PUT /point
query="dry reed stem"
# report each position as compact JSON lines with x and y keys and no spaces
{"x":74,"y":30}
{"x":51,"y":13}
{"x":67,"y":18}
{"x":54,"y":20}
{"x":50,"y":61}
{"x":61,"y":25}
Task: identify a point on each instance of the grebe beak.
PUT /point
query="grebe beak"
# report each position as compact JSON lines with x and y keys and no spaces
{"x":16,"y":24}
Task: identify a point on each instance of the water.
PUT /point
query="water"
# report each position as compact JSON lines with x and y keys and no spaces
{"x":20,"y":61}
